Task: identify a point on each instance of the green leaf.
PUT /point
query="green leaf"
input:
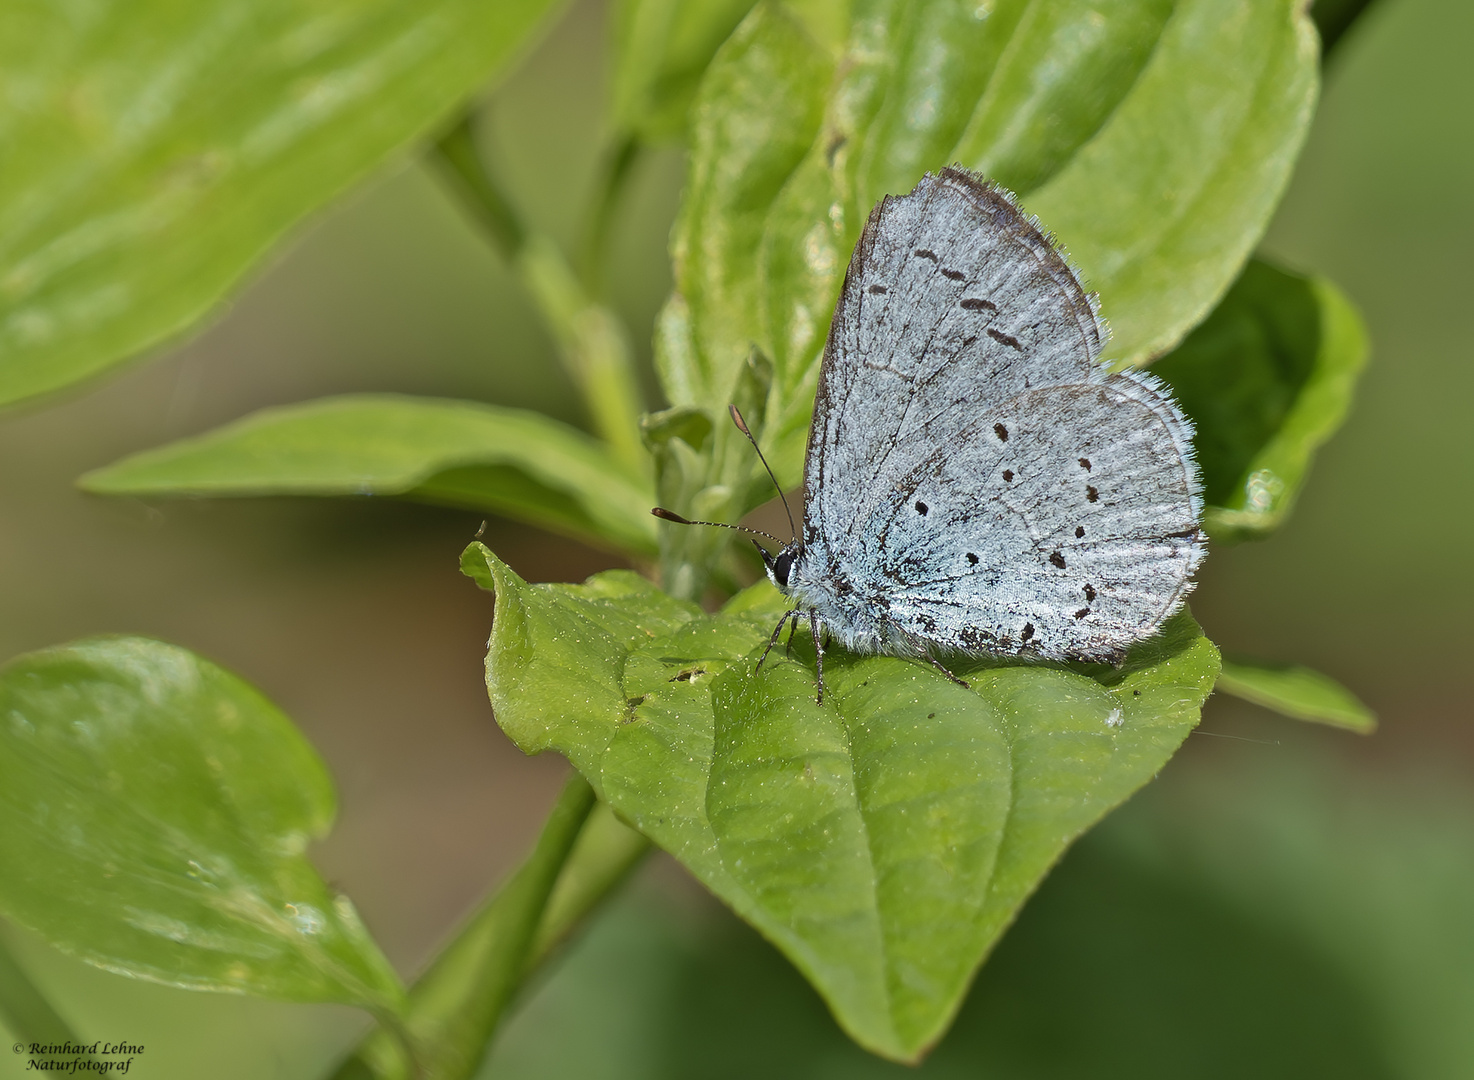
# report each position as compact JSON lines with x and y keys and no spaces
{"x":154,"y":152}
{"x":561,"y":653}
{"x":1267,"y":378}
{"x":884,"y":840}
{"x":154,"y":812}
{"x":1296,"y":692}
{"x":1155,"y":141}
{"x":507,"y":461}
{"x":661,"y":51}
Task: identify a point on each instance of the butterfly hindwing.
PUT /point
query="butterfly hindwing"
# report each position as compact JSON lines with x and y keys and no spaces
{"x":949,"y":499}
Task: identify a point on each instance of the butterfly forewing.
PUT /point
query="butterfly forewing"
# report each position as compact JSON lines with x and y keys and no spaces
{"x":975,"y":479}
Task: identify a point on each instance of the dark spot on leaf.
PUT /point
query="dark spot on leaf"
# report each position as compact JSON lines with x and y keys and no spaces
{"x":687,"y":675}
{"x":1079,"y":531}
{"x":1091,"y":494}
{"x":1001,"y":432}
{"x":925,"y":253}
{"x":836,"y":143}
{"x":1005,"y":339}
{"x":1028,"y":631}
{"x":1085,"y":463}
{"x":1057,"y":559}
{"x":931,"y":716}
{"x":636,"y":702}
{"x":1084,"y":611}
{"x":972,"y":558}
{"x":955,"y":275}
{"x":879,"y":289}
{"x":1008,"y":475}
{"x":1090,"y":592}
{"x":921,"y":508}
{"x":973,"y":303}
{"x":1136,"y":693}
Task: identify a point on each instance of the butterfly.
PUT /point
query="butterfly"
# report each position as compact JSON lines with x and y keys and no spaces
{"x":977,"y":481}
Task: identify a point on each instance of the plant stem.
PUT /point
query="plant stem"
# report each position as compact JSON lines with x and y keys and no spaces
{"x":594,"y":347}
{"x":26,"y":1014}
{"x":483,"y":197}
{"x":618,"y":163}
{"x":455,"y":1007}
{"x":592,"y":343}
{"x":1333,"y":18}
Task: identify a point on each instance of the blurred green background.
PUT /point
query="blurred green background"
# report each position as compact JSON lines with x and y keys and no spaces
{"x":1286,"y":900}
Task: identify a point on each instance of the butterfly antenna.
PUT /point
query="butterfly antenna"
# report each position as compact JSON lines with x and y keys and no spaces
{"x":742,"y":427}
{"x":670,"y":515}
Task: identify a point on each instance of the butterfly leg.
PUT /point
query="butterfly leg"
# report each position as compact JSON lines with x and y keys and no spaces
{"x":934,"y":662}
{"x":773,"y":638}
{"x":816,"y":627}
{"x":792,"y":629}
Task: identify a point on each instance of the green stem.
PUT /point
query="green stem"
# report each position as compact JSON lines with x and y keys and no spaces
{"x":615,"y":171}
{"x":26,"y":1014}
{"x":457,"y":153}
{"x":594,"y":347}
{"x":455,"y":1007}
{"x":592,"y":343}
{"x":1333,"y":18}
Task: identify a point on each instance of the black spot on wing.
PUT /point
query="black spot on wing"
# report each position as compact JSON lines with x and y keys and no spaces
{"x":1091,"y":495}
{"x":879,"y":290}
{"x":972,"y":558}
{"x":1058,"y":559}
{"x":1005,"y":339}
{"x":955,"y":275}
{"x":1008,"y":475}
{"x":1085,"y":463}
{"x":1090,"y":592}
{"x":973,"y":303}
{"x":926,"y":253}
{"x":1028,"y":631}
{"x":921,"y":508}
{"x":1084,"y":611}
{"x":1079,"y":531}
{"x":1001,"y":432}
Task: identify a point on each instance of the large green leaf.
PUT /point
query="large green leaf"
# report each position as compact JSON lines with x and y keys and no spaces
{"x":1300,"y":693}
{"x":154,"y":811}
{"x":1153,"y":137}
{"x":884,"y":840}
{"x":661,"y":50}
{"x":1268,"y":377}
{"x":507,"y":461}
{"x":155,"y":150}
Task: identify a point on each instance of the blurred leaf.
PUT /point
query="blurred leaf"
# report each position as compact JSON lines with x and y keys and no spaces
{"x":511,"y":462}
{"x":882,"y":841}
{"x":155,"y":151}
{"x":1154,"y":140}
{"x":1117,"y":970}
{"x":1267,"y":378}
{"x":1296,"y":692}
{"x":154,"y":812}
{"x":661,"y":50}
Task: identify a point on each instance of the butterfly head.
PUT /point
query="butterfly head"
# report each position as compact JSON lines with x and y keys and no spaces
{"x":780,"y":566}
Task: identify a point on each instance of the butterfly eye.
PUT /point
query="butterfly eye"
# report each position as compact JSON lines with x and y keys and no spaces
{"x":781,"y":567}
